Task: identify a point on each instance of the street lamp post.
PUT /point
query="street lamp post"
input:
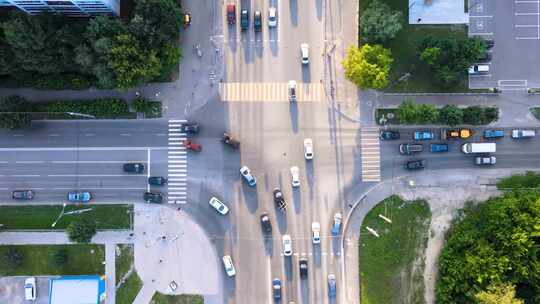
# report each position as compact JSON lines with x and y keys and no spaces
{"x":59,"y":216}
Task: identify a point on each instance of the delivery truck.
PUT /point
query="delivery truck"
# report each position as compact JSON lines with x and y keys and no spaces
{"x":470,"y":148}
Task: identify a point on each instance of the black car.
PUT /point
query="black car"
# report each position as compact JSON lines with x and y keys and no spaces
{"x":257,"y":21}
{"x":22,"y":194}
{"x":415,"y":164}
{"x":244,"y":20}
{"x":190,"y":128}
{"x":153,"y":197}
{"x":265,"y":223}
{"x":134,"y":168}
{"x":389,"y":135}
{"x":303,"y":268}
{"x":279,"y":200}
{"x":157,"y":181}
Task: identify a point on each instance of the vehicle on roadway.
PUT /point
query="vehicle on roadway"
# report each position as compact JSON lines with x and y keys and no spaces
{"x":302,"y":263}
{"x":272,"y":17}
{"x":287,"y":245}
{"x":331,"y":285}
{"x":336,"y":226}
{"x":231,"y":13}
{"x":218,"y":205}
{"x":304,"y":52}
{"x":229,"y":266}
{"x":389,"y":135}
{"x":410,"y":148}
{"x":30,"y":292}
{"x":230,"y":141}
{"x":257,"y":21}
{"x":469,"y":148}
{"x":187,"y":20}
{"x":79,"y":196}
{"x":265,"y":223}
{"x":279,"y":200}
{"x":153,"y":197}
{"x":157,"y":180}
{"x":485,"y":160}
{"x":22,"y":194}
{"x":415,"y":164}
{"x":463,"y":133}
{"x":295,"y":176}
{"x":478,"y":69}
{"x":308,"y":148}
{"x":291,"y":90}
{"x":521,"y":133}
{"x":189,"y":128}
{"x":316,"y":232}
{"x":192,"y":146}
{"x":438,"y":148}
{"x":423,"y":135}
{"x":134,"y":168}
{"x":244,"y":20}
{"x":246,"y":173}
{"x":493,"y":133}
{"x":276,"y":288}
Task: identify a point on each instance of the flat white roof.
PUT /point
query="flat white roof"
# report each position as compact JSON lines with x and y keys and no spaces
{"x":81,"y":290}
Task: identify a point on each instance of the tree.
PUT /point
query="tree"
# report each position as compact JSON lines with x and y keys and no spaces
{"x":407,"y":112}
{"x":474,"y":115}
{"x":60,"y":257}
{"x":379,"y":24}
{"x":368,"y":66}
{"x":12,"y":259}
{"x":499,"y":294}
{"x":81,"y":230}
{"x":427,"y":113}
{"x":15,"y":120}
{"x":430,"y":55}
{"x":156,"y":22}
{"x":451,"y":115}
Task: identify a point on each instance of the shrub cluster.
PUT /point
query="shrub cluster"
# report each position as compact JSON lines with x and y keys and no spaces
{"x":410,"y":112}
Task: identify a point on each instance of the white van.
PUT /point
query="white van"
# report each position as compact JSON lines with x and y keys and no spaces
{"x":469,"y":148}
{"x":479,"y":69}
{"x":521,"y":133}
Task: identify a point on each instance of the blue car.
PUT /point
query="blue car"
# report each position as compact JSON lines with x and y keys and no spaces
{"x":246,"y":173}
{"x":337,"y":224}
{"x":276,"y":288}
{"x":79,"y":197}
{"x":423,"y":135}
{"x":438,"y":148}
{"x":331,"y":285}
{"x":493,"y":133}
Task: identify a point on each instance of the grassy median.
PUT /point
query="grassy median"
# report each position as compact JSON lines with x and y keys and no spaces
{"x":160,"y":298}
{"x":42,"y":216}
{"x":52,"y":259}
{"x":127,"y":292}
{"x":391,"y":266}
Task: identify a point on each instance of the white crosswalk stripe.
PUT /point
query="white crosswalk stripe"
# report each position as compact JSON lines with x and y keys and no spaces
{"x":371,"y":154}
{"x":177,"y":164}
{"x":268,"y":91}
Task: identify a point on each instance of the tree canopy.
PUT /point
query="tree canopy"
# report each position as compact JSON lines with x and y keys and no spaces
{"x":81,"y":230}
{"x":379,"y":23}
{"x":368,"y":66}
{"x":496,"y":242}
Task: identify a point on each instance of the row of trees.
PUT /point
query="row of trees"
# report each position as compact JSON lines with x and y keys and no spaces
{"x":104,"y":50}
{"x":410,"y":112}
{"x":491,"y":253}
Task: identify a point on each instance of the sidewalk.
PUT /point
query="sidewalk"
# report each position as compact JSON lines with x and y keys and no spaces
{"x":43,"y":238}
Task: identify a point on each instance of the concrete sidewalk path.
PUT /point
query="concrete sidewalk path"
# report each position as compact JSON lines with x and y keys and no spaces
{"x":29,"y":238}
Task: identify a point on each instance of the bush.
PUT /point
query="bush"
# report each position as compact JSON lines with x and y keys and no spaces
{"x":528,"y":180}
{"x":379,"y":23}
{"x":81,"y":230}
{"x":12,"y":259}
{"x":407,"y":112}
{"x":15,"y":120}
{"x":427,"y":114}
{"x":368,"y":66}
{"x":60,"y":257}
{"x":451,"y":115}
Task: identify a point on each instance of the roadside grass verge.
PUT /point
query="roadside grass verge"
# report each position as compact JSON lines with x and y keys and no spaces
{"x":40,"y":260}
{"x":160,"y":298}
{"x":391,"y":266}
{"x":126,"y":293}
{"x":406,"y":57}
{"x":536,"y":113}
{"x":42,"y":216}
{"x":124,"y":260}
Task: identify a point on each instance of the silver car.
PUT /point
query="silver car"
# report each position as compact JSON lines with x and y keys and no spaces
{"x":218,"y":205}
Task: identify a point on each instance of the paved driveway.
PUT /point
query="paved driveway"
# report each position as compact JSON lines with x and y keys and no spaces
{"x":12,"y":290}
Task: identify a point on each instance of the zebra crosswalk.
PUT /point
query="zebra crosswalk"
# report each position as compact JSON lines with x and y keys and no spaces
{"x":267,"y":91}
{"x":177,"y":164}
{"x":371,"y":154}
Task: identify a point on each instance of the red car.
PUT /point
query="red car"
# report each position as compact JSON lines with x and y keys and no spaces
{"x":231,"y":13}
{"x":192,"y":146}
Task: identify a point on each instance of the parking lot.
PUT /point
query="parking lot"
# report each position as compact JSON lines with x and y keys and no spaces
{"x":12,"y":290}
{"x":515,"y":28}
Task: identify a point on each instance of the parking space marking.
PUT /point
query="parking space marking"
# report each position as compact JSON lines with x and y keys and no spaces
{"x":370,"y":151}
{"x":177,"y":164}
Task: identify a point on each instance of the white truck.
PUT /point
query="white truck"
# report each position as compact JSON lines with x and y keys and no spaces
{"x":470,"y":148}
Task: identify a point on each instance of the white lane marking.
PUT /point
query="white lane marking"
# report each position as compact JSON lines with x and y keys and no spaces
{"x":29,"y":162}
{"x":95,"y":175}
{"x":40,"y":149}
{"x":178,"y":184}
{"x":177,"y":188}
{"x":177,"y":179}
{"x":96,"y":161}
{"x":177,"y":152}
{"x":177,"y":156}
{"x":103,"y":188}
{"x":89,"y":134}
{"x":181,"y":193}
{"x":18,"y":135}
{"x":175,"y":143}
{"x":175,"y":125}
{"x":177,"y":170}
{"x":177,"y":166}
{"x":25,"y":175}
{"x":54,"y":135}
{"x":177,"y":148}
{"x":125,"y":134}
{"x":148,"y":173}
{"x":177,"y":120}
{"x":178,"y":175}
{"x":178,"y":161}
{"x":161,"y":134}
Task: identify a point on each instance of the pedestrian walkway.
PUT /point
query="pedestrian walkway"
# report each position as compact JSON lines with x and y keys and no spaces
{"x":257,"y":92}
{"x":110,"y":272}
{"x":371,"y":154}
{"x":177,"y":164}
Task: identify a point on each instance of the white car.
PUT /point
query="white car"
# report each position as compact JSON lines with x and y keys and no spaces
{"x":316,"y":230}
{"x":292,"y":90}
{"x":478,"y":69}
{"x":229,"y":266}
{"x":308,"y":148}
{"x":304,"y":51}
{"x":287,"y":245}
{"x":30,"y":288}
{"x":272,"y":17}
{"x":218,"y":205}
{"x":295,"y":174}
{"x":246,"y":173}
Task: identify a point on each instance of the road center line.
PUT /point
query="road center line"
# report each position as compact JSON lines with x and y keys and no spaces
{"x":41,"y":149}
{"x":29,"y":162}
{"x":94,"y":175}
{"x":96,"y":161}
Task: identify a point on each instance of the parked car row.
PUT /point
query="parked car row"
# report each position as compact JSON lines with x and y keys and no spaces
{"x":257,"y":18}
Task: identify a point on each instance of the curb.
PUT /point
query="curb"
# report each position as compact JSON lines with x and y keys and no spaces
{"x":442,"y":94}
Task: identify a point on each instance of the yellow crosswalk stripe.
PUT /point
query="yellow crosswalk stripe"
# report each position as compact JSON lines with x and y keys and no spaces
{"x":269,"y":91}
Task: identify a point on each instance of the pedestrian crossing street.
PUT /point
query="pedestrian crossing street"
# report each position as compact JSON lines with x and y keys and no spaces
{"x":267,"y":91}
{"x":371,"y":154}
{"x":177,"y":164}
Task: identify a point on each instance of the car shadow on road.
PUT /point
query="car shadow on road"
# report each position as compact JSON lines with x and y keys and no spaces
{"x":293,"y":9}
{"x":297,"y":200}
{"x":310,"y":177}
{"x":288,"y":266}
{"x":251,"y":197}
{"x":233,"y":38}
{"x":293,"y":110}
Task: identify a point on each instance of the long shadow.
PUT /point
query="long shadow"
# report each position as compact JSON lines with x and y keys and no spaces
{"x":297,"y":199}
{"x":293,"y":9}
{"x":318,"y":7}
{"x":310,"y":177}
{"x":251,"y":197}
{"x":293,"y":110}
